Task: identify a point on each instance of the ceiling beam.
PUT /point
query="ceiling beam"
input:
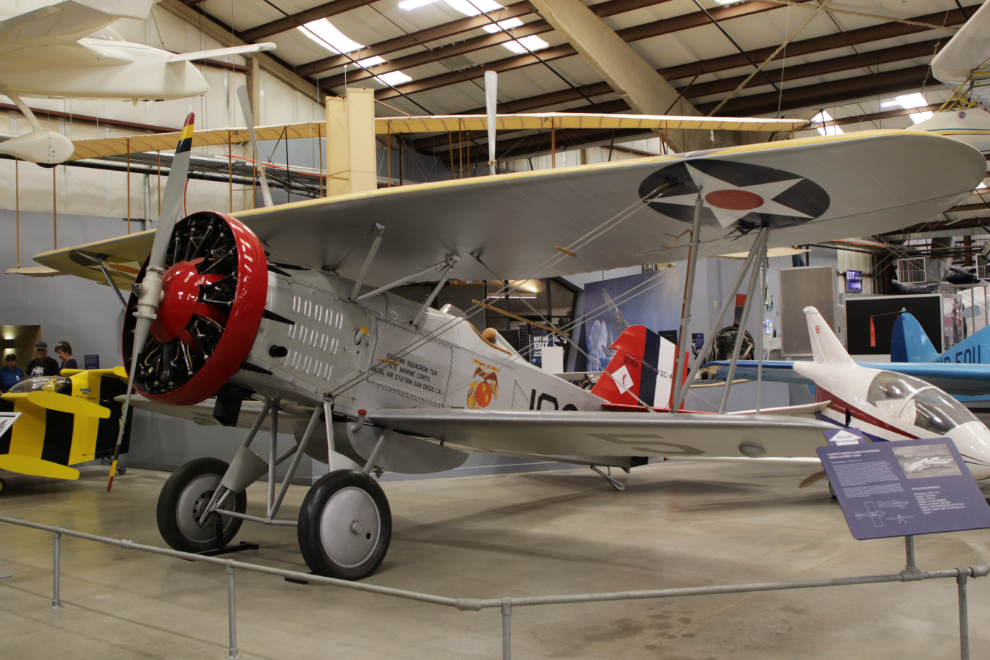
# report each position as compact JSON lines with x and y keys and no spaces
{"x":635,"y":33}
{"x":717,"y":64}
{"x":287,"y":23}
{"x":538,"y":26}
{"x":625,"y":70}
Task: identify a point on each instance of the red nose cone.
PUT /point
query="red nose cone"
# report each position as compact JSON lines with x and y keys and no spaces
{"x":181,"y":285}
{"x":734,"y":200}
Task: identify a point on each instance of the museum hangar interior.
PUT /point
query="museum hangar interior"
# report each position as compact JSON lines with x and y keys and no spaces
{"x":673,"y":345}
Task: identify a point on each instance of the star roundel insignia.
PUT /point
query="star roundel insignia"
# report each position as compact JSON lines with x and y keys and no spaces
{"x":734,"y":194}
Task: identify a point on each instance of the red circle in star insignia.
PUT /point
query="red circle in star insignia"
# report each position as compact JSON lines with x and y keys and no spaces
{"x":734,"y":200}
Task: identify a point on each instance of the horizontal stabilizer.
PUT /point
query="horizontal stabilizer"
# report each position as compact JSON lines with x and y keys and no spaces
{"x":36,"y":467}
{"x":221,"y":52}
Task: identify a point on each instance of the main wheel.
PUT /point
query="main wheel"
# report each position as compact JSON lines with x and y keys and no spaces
{"x":3,"y":486}
{"x":184,"y":497}
{"x":345,"y":525}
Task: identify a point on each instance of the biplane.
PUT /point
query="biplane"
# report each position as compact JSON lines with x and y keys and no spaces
{"x":287,"y":312}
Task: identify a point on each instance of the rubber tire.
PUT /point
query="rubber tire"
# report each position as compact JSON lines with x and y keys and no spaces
{"x":121,"y":471}
{"x":310,"y":518}
{"x":3,"y":486}
{"x":831,"y":491}
{"x":168,"y":502}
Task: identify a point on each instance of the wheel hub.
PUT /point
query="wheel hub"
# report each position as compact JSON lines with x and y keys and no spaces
{"x":349,"y":527}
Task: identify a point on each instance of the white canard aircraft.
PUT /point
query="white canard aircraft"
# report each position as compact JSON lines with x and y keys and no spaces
{"x":273,"y":312}
{"x":963,"y":66}
{"x":68,"y":50}
{"x":884,"y":405}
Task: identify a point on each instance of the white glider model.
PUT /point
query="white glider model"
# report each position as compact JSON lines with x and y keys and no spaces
{"x":68,"y":50}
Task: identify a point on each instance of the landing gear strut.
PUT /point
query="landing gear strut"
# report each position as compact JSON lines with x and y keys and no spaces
{"x":608,"y":477}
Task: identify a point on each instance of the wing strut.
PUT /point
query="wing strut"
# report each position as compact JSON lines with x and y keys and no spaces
{"x":758,"y":245}
{"x":680,"y":389}
{"x":367,"y":262}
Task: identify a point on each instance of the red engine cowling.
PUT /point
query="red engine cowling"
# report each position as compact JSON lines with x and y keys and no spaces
{"x":214,"y":290}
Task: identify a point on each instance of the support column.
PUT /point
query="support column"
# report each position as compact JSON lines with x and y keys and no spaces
{"x":351,"y":162}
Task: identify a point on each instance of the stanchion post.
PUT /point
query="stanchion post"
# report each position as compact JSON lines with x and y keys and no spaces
{"x":911,"y":567}
{"x":963,"y":614}
{"x":232,"y":653}
{"x":56,"y":603}
{"x":506,"y":629}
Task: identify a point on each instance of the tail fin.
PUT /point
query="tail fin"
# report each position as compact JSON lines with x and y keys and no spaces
{"x":909,"y":343}
{"x":641,"y":371}
{"x":825,"y":346}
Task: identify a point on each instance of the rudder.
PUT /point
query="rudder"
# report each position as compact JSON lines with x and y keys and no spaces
{"x":641,"y":371}
{"x":909,"y":342}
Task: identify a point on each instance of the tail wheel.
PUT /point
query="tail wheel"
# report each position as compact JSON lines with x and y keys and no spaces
{"x":183,"y":499}
{"x":345,"y":525}
{"x":214,"y":289}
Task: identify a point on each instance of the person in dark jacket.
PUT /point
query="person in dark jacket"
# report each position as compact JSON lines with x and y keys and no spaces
{"x":42,"y":365}
{"x":64,"y":353}
{"x":10,"y":375}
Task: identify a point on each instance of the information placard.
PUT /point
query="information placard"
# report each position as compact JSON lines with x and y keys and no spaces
{"x":903,"y":488}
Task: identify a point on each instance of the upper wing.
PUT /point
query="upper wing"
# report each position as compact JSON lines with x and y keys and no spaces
{"x":66,"y":22}
{"x":619,"y":214}
{"x":966,"y":55}
{"x":609,"y":433}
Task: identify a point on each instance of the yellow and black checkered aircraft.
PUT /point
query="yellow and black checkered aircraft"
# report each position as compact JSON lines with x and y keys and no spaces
{"x":64,"y":420}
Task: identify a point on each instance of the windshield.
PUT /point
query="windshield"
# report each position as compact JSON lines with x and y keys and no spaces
{"x":935,"y":411}
{"x":889,"y":391}
{"x":42,"y":384}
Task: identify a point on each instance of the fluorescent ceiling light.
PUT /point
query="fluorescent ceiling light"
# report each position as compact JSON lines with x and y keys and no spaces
{"x":324,"y":33}
{"x":508,"y":24}
{"x":515,"y":297}
{"x":822,"y":118}
{"x":526,"y":44}
{"x":393,"y":78}
{"x":981,"y":186}
{"x":472,"y":7}
{"x":413,"y":4}
{"x":909,"y":101}
{"x":370,"y":61}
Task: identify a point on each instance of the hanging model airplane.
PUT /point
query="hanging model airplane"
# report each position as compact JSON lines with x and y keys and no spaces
{"x":68,"y":50}
{"x":963,"y":66}
{"x":63,"y":420}
{"x":390,"y":381}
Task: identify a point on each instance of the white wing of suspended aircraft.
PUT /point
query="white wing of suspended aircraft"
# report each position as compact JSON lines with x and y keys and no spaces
{"x":68,"y":50}
{"x":964,"y":65}
{"x":276,"y":306}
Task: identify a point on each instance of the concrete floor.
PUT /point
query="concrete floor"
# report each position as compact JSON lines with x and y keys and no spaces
{"x":677,"y":524}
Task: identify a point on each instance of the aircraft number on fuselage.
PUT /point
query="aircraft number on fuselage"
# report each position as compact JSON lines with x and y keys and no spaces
{"x":967,"y":356}
{"x":536,"y":402}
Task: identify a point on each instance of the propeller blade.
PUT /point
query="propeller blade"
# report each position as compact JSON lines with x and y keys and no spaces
{"x":491,"y":101}
{"x":141,"y":330}
{"x":174,"y":190}
{"x":149,"y":290}
{"x":67,"y":404}
{"x":813,"y":479}
{"x":242,"y":94}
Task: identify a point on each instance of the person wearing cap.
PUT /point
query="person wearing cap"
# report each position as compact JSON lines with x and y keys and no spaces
{"x":42,"y":365}
{"x":10,"y":375}
{"x":64,"y":353}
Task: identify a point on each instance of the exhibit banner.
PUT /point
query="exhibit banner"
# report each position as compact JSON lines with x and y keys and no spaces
{"x":650,"y":299}
{"x":903,"y":488}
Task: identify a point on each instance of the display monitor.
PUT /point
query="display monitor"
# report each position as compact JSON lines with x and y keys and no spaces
{"x":854,"y":281}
